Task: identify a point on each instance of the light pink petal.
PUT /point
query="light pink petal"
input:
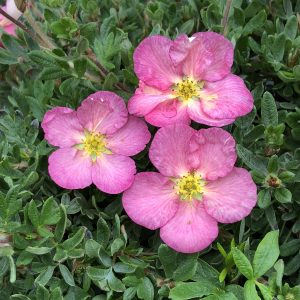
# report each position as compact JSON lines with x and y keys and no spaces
{"x":145,"y":99}
{"x":180,"y":50}
{"x":210,"y":57}
{"x":152,"y":62}
{"x":104,"y":112}
{"x":150,"y":201}
{"x":231,"y":198}
{"x":130,"y":139}
{"x":52,"y":113}
{"x":70,"y":168}
{"x":113,"y":173}
{"x":228,"y":98}
{"x":62,"y":128}
{"x":167,"y":113}
{"x":196,"y":113}
{"x":168,"y":151}
{"x":191,"y":229}
{"x":10,"y":29}
{"x":212,"y":152}
{"x":12,"y":9}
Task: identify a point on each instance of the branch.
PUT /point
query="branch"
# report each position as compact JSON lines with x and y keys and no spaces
{"x":224,"y":21}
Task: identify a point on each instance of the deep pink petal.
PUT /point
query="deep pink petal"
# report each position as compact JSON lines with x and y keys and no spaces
{"x":230,"y":98}
{"x":130,"y":139}
{"x":180,"y":50}
{"x":150,"y":201}
{"x":231,"y":198}
{"x":10,"y":29}
{"x":145,"y":99}
{"x":212,"y":152}
{"x":210,"y":58}
{"x":191,"y":229}
{"x":167,"y":113}
{"x":152,"y":62}
{"x":168,"y":151}
{"x":196,"y":113}
{"x":104,"y":112}
{"x":113,"y":173}
{"x":70,"y":168}
{"x":62,"y":128}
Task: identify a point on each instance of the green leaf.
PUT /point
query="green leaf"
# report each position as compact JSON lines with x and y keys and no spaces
{"x":103,"y":232}
{"x":264,"y":198}
{"x":283,"y":195}
{"x":189,"y":290}
{"x":145,"y":289}
{"x":42,"y":58}
{"x":242,"y":262}
{"x":51,"y":73}
{"x":269,"y":114}
{"x":33,"y":214}
{"x":38,"y":250}
{"x":7,"y":58}
{"x":186,"y":268}
{"x":50,"y":213}
{"x":266,"y":293}
{"x":75,"y":240}
{"x":61,"y":225}
{"x":250,"y":292}
{"x":167,"y":257}
{"x":291,"y":26}
{"x":266,"y":254}
{"x":42,"y":292}
{"x":45,"y":276}
{"x":256,"y":23}
{"x":97,"y":273}
{"x":66,"y":274}
{"x":252,"y":161}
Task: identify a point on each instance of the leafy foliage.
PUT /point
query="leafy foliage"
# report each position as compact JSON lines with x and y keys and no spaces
{"x":59,"y":244}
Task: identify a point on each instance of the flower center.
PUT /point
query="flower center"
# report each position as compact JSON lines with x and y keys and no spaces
{"x":94,"y":143}
{"x":190,"y":187}
{"x":187,"y":89}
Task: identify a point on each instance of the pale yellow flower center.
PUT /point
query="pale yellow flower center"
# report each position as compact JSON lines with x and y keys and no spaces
{"x":190,"y":187}
{"x":187,"y":89}
{"x":94,"y":144}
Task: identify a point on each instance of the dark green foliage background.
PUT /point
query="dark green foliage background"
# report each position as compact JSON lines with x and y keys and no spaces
{"x":59,"y":244}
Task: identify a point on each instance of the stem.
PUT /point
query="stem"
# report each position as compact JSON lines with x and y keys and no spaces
{"x":224,"y":21}
{"x":16,"y":22}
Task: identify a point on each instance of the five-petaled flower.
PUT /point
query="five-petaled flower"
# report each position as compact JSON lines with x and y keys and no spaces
{"x":95,"y":143}
{"x":197,"y":187}
{"x":188,"y":78}
{"x":13,"y":11}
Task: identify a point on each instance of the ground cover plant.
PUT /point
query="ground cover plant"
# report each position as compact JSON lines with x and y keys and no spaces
{"x":74,"y":226}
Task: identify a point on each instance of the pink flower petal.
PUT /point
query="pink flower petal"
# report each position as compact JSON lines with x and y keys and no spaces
{"x":210,"y":58}
{"x":228,"y":98}
{"x":152,"y":62}
{"x":167,"y":113}
{"x":145,"y":99}
{"x":104,"y":112}
{"x":168,"y":151}
{"x":130,"y":139}
{"x":12,"y":9}
{"x":150,"y":201}
{"x":231,"y":198}
{"x":70,"y":168}
{"x":113,"y":173}
{"x":212,"y":152}
{"x":196,"y":113}
{"x":62,"y":128}
{"x":191,"y":229}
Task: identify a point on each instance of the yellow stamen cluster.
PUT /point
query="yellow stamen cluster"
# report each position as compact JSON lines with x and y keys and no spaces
{"x":190,"y":187}
{"x":187,"y":89}
{"x":94,"y":143}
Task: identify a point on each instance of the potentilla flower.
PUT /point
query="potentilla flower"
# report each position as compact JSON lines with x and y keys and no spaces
{"x":95,"y":143}
{"x":13,"y":11}
{"x":197,"y":186}
{"x":188,"y":78}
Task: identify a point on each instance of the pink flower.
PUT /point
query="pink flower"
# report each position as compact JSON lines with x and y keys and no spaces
{"x":95,"y":143}
{"x":197,"y":187}
{"x":13,"y":11}
{"x":188,"y":78}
